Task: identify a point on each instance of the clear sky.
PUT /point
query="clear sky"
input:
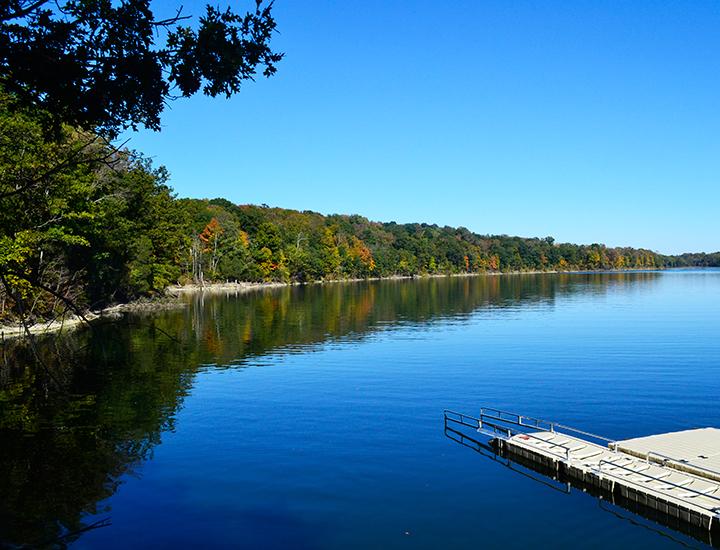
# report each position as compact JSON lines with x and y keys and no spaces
{"x":588,"y":121}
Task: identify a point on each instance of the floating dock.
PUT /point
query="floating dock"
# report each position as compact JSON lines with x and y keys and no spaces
{"x":693,"y":451}
{"x":674,"y":474}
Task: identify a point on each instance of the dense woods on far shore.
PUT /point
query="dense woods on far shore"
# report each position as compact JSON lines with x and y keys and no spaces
{"x":84,"y":224}
{"x":106,"y":228}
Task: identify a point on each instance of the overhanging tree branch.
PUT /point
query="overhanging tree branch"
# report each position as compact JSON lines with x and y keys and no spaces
{"x":23,"y":12}
{"x":117,"y":70}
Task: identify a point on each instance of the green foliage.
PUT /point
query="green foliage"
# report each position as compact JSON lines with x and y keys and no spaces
{"x":105,"y":66}
{"x":308,"y":246}
{"x":84,"y":224}
{"x":80,"y":222}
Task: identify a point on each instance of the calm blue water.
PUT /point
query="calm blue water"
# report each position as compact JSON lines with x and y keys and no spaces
{"x":312,"y":417}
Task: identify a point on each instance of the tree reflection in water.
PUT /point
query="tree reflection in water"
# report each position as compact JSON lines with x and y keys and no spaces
{"x":65,"y":450}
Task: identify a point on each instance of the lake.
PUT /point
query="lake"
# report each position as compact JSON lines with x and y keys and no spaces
{"x":312,"y":416}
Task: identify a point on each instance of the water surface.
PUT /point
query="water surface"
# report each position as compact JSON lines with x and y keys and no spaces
{"x":311,"y":416}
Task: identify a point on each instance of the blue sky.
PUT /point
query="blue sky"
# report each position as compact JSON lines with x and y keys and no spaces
{"x":588,"y":121}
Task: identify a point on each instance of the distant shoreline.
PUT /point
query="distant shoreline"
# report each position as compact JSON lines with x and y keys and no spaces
{"x":173,"y":293}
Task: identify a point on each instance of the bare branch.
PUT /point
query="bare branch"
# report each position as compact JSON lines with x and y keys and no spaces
{"x":172,"y":20}
{"x":24,"y":11}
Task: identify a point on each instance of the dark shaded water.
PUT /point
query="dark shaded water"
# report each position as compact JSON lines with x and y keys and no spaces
{"x":311,"y":416}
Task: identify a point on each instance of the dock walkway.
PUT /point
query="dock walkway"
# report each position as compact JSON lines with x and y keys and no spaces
{"x":670,"y":473}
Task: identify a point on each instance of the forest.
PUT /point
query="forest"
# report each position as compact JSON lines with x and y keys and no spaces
{"x":105,"y":227}
{"x":85,"y":222}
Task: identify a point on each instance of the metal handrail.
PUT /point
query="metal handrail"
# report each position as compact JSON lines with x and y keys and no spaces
{"x":660,"y":480}
{"x":462,"y":416}
{"x":504,"y":430}
{"x":526,"y":422}
{"x":589,"y":434}
{"x":476,"y":422}
{"x":517,"y":418}
{"x":667,"y":458}
{"x":536,"y":423}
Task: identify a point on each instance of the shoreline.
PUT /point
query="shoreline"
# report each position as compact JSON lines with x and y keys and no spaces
{"x":171,"y":298}
{"x":71,"y":321}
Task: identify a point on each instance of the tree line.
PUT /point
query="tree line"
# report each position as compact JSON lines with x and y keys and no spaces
{"x":84,"y":223}
{"x":259,"y":243}
{"x":105,"y":227}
